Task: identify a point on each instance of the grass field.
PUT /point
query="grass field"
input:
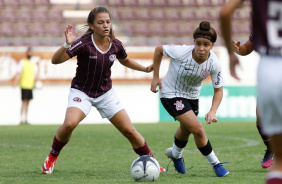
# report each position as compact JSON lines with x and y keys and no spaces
{"x":100,"y":154}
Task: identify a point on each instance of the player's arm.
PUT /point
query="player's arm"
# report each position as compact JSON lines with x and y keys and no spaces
{"x":217,"y":97}
{"x":17,"y":79}
{"x":244,"y":49}
{"x":130,"y":63}
{"x":158,"y":55}
{"x":18,"y":74}
{"x":225,"y":25}
{"x":60,"y":55}
{"x":225,"y":20}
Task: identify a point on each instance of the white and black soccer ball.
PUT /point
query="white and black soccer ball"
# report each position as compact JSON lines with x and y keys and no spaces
{"x":145,"y":169}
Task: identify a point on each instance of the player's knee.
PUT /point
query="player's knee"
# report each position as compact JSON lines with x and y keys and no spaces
{"x":69,"y":125}
{"x":199,"y":132}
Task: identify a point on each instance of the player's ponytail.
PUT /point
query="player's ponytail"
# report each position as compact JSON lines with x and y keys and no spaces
{"x":205,"y":31}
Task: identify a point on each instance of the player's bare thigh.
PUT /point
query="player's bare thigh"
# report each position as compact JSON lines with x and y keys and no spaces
{"x":72,"y":118}
{"x":190,"y":123}
{"x":123,"y":123}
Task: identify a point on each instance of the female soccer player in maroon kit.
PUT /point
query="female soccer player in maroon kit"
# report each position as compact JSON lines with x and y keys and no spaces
{"x":267,"y":41}
{"x":96,"y":52}
{"x":244,"y":50}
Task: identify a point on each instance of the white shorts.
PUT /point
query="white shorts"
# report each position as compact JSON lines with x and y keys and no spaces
{"x":108,"y":104}
{"x":270,"y":94}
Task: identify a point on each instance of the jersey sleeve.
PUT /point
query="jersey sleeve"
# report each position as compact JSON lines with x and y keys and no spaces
{"x":175,"y":52}
{"x":76,"y":48}
{"x":251,"y":37}
{"x":121,"y":54}
{"x":216,"y":74}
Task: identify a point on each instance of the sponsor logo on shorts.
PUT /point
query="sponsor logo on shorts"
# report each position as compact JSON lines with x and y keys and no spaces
{"x":179,"y":105}
{"x":77,"y":99}
{"x":112,"y":57}
{"x":204,"y":73}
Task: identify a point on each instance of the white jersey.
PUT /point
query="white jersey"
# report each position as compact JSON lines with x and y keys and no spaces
{"x":184,"y":77}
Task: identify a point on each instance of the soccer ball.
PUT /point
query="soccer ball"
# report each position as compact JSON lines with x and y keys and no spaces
{"x":145,"y":168}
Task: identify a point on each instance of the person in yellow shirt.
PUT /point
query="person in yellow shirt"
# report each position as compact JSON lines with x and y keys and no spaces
{"x":26,"y":76}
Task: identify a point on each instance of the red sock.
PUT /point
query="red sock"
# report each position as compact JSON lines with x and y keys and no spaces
{"x":274,"y":181}
{"x":274,"y":177}
{"x":57,"y":146}
{"x":144,"y":150}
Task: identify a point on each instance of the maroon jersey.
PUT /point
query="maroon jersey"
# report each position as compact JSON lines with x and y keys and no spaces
{"x":93,"y":72}
{"x":251,"y":37}
{"x":267,"y":27}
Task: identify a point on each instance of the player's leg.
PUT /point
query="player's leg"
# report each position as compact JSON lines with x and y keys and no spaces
{"x":26,"y":97}
{"x":23,"y":111}
{"x":77,"y":110}
{"x":190,"y":122}
{"x":270,"y":108}
{"x":122,"y":122}
{"x":26,"y":110}
{"x":111,"y":108}
{"x":267,"y":160}
{"x":275,"y":174}
{"x":73,"y":117}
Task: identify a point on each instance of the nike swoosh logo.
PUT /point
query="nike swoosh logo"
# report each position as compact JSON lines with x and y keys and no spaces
{"x":188,"y":68}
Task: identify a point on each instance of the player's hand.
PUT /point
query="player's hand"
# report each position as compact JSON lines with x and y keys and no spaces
{"x":236,"y":46}
{"x":70,"y":36}
{"x":233,"y":61}
{"x":210,"y":117}
{"x":149,"y":69}
{"x":155,"y":83}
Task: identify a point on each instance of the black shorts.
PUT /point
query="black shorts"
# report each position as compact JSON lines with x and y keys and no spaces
{"x":27,"y":94}
{"x":177,"y":106}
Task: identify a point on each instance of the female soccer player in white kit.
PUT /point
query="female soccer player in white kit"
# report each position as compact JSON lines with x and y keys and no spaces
{"x":96,"y":52}
{"x":180,"y":89}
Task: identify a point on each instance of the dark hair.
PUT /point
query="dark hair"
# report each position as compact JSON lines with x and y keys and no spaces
{"x":92,"y":16}
{"x":205,"y":31}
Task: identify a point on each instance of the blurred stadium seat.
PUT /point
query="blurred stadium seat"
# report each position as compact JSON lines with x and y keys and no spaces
{"x":175,"y":3}
{"x":23,"y":28}
{"x":41,"y":14}
{"x":25,"y":13}
{"x":13,"y":3}
{"x":160,"y":20}
{"x":28,"y":2}
{"x":7,"y":29}
{"x":43,"y":3}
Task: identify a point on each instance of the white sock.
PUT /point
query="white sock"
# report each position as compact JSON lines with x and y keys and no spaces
{"x":176,"y":151}
{"x":274,"y":174}
{"x":213,"y":160}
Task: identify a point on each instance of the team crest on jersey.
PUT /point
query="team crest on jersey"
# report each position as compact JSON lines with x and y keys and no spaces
{"x":77,"y":99}
{"x":179,"y":105}
{"x":112,"y":57}
{"x":204,"y":73}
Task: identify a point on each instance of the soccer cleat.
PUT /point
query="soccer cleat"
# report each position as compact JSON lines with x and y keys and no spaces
{"x":178,"y":163}
{"x":267,"y":160}
{"x":219,"y":170}
{"x":49,"y":164}
{"x":162,"y":169}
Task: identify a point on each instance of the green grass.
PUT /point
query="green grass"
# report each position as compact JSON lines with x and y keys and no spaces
{"x":100,"y":154}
